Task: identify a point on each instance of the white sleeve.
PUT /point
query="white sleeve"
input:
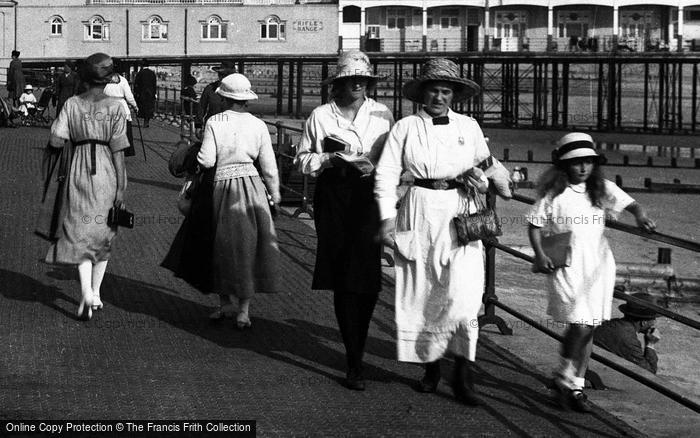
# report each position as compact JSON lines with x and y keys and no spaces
{"x":128,"y":95}
{"x":537,"y":215}
{"x":310,"y":159}
{"x":389,"y":171}
{"x":481,"y":149}
{"x":207,"y":153}
{"x":616,"y":199}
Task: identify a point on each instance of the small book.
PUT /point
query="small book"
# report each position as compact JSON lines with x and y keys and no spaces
{"x":558,"y":248}
{"x":358,"y":161}
{"x":335,"y":144}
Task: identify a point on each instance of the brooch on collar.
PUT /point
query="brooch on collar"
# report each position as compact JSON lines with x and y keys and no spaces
{"x":460,"y":140}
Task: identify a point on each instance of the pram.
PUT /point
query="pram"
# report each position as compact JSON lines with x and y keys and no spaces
{"x":37,"y":115}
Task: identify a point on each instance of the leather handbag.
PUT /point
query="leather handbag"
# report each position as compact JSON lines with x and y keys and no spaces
{"x":482,"y":225}
{"x":184,"y":199}
{"x":120,"y":217}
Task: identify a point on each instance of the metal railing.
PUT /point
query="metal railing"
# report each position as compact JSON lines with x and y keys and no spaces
{"x":491,"y":301}
{"x":653,"y":93}
{"x":284,"y":151}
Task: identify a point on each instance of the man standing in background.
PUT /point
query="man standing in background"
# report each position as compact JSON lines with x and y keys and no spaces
{"x":66,"y":85}
{"x":145,"y":91}
{"x":15,"y":79}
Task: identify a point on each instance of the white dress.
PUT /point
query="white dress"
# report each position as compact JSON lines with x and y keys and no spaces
{"x":581,"y":293}
{"x":439,"y":284}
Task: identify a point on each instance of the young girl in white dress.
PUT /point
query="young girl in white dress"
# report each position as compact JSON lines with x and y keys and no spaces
{"x":574,"y":197}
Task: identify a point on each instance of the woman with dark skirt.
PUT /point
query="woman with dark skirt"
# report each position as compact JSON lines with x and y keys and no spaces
{"x":348,"y":259}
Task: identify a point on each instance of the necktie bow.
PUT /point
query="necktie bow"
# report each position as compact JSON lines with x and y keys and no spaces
{"x":444,"y":120}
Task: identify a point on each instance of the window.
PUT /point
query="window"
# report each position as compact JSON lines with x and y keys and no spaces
{"x":273,"y":29}
{"x":573,"y":24}
{"x":449,"y":18}
{"x":214,"y":29}
{"x":511,"y":24}
{"x":431,"y":19}
{"x":154,"y":29}
{"x":96,"y":29}
{"x":56,"y":26}
{"x":396,"y":18}
{"x":635,"y":24}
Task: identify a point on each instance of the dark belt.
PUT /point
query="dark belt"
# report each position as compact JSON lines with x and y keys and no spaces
{"x":93,"y":146}
{"x":438,"y":184}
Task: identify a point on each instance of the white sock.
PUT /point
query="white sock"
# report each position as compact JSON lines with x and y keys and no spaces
{"x":578,"y":382}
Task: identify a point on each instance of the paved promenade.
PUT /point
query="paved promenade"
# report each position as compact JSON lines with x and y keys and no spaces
{"x":152,"y":354}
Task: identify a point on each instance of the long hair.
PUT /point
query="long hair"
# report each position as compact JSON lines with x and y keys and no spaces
{"x":554,"y":181}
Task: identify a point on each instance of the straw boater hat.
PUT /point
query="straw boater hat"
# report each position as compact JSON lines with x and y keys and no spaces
{"x":350,"y":64}
{"x":237,"y":87}
{"x":576,"y":145}
{"x":637,"y":311}
{"x":28,"y":87}
{"x":440,"y":69}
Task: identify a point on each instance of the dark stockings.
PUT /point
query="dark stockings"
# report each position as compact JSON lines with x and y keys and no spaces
{"x":354,"y":313}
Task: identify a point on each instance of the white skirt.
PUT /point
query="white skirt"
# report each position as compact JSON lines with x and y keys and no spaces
{"x":439,"y":284}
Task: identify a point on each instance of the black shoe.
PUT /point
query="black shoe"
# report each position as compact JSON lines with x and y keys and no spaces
{"x":463,"y":383}
{"x":430,"y":380}
{"x":354,"y":380}
{"x":579,"y":402}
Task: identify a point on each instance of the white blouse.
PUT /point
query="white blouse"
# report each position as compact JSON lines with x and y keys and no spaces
{"x":232,"y":138}
{"x":123,"y":92}
{"x":366,"y":134}
{"x":427,"y":151}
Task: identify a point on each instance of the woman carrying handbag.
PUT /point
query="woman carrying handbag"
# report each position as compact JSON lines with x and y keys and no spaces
{"x":93,"y":126}
{"x":439,"y":280}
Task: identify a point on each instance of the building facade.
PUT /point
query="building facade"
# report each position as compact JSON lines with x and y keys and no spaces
{"x":207,"y":28}
{"x":520,"y":25}
{"x":166,"y":28}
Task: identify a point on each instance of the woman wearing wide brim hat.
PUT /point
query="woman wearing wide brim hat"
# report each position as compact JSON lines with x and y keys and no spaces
{"x":245,"y":252}
{"x":348,"y":259}
{"x":435,"y":146}
{"x":95,"y":180}
{"x":440,"y":70}
{"x":353,"y":63}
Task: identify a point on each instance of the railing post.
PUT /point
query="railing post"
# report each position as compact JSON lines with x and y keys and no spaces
{"x":489,"y":298}
{"x":280,"y":86}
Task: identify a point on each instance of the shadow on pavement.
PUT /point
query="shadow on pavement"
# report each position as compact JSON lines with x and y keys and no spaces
{"x":20,"y":287}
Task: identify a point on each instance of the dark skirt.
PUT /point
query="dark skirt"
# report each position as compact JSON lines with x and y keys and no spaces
{"x":190,"y":255}
{"x":348,"y":259}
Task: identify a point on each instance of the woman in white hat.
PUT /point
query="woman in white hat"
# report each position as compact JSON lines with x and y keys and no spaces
{"x":348,"y":260}
{"x":245,"y":252}
{"x":574,"y":201}
{"x":439,"y":284}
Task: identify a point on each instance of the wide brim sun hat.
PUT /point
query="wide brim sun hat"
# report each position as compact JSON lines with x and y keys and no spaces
{"x":576,"y":145}
{"x":98,"y":68}
{"x":443,"y":70}
{"x":353,"y":63}
{"x":236,"y":86}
